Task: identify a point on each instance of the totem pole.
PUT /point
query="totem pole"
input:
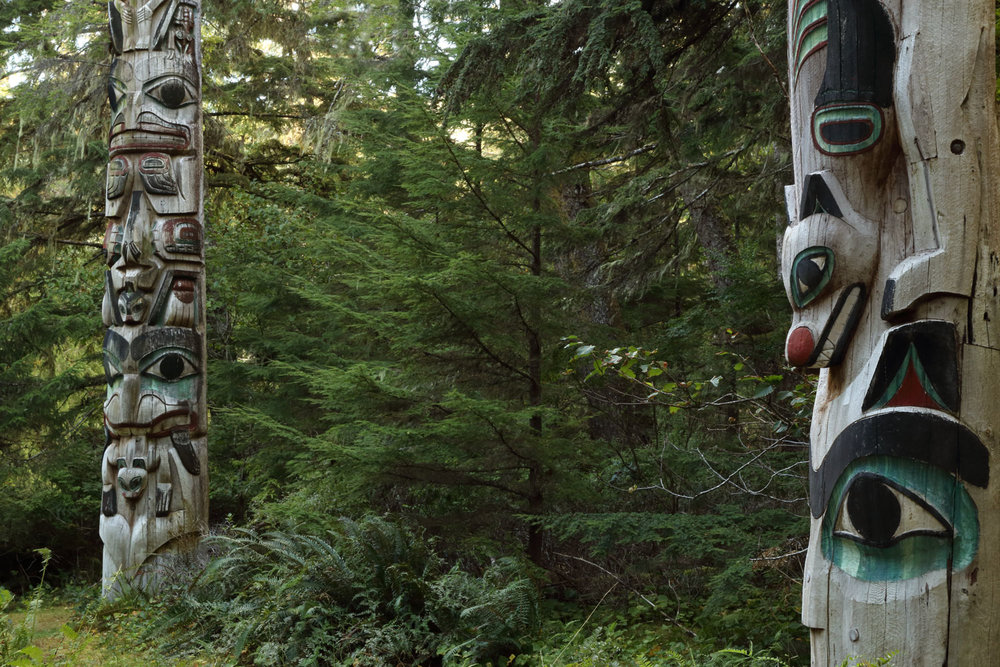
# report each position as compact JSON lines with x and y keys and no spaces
{"x":154,"y":507}
{"x":890,"y":264}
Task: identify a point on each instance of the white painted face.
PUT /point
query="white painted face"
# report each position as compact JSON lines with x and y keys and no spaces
{"x":828,"y":257}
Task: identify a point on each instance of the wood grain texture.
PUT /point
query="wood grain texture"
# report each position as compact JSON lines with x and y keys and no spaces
{"x":154,"y":472}
{"x":895,"y":193}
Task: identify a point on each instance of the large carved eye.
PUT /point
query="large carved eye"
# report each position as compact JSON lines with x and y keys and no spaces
{"x":170,"y":365}
{"x":879,"y":513}
{"x":172,"y":91}
{"x":811,"y":272}
{"x":892,"y":518}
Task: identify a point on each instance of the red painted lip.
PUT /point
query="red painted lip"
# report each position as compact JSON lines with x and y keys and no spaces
{"x":800,"y":346}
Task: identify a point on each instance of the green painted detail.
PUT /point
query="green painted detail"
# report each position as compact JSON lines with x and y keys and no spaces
{"x":816,"y":12}
{"x":846,"y":113}
{"x":803,"y":299}
{"x":811,"y":29}
{"x":897,"y":381}
{"x":911,"y":555}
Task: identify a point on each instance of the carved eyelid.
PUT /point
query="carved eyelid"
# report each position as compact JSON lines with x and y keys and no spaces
{"x":190,"y":94}
{"x":909,"y":523}
{"x":811,"y":271}
{"x":148,"y":363}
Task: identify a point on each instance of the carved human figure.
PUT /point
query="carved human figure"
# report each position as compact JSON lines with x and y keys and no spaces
{"x":889,"y":264}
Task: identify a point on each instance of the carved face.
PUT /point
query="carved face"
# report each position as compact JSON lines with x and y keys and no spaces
{"x":153,"y":380}
{"x":135,"y":461}
{"x":154,"y":103}
{"x":139,"y":288}
{"x":828,"y":256}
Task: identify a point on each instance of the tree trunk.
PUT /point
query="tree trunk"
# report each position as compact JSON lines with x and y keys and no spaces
{"x":890,"y":264}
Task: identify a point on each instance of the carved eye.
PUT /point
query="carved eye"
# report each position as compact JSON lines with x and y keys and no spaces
{"x":879,"y":513}
{"x":811,"y":272}
{"x":172,"y":92}
{"x":891,"y":519}
{"x":139,"y":463}
{"x":120,"y":463}
{"x":171,"y":365}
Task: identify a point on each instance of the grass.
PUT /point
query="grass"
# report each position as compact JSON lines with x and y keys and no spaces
{"x":61,"y":635}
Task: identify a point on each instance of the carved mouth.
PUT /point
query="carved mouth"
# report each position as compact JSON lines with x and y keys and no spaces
{"x":150,"y":133}
{"x":182,"y":417}
{"x":832,"y":344}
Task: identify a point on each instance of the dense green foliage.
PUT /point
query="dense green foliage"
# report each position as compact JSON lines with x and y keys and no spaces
{"x":369,"y":593}
{"x":502,"y":273}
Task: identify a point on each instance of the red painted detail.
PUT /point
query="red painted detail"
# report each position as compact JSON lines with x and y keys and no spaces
{"x":799,"y":346}
{"x":911,"y":393}
{"x":184,"y":290}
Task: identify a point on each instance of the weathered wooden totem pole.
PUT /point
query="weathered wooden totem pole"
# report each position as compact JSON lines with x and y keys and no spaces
{"x":890,"y":263}
{"x":154,"y":507}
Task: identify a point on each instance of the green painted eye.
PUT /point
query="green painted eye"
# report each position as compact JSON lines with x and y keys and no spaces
{"x":811,"y":271}
{"x":894,"y":518}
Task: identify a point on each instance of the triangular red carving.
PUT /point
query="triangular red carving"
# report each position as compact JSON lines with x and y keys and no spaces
{"x":911,"y":392}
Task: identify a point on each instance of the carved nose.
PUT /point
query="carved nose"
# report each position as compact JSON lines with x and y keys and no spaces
{"x":130,"y":395}
{"x":799,"y":346}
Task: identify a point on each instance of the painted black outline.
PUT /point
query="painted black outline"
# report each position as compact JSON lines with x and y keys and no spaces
{"x":936,"y":342}
{"x":948,"y":532}
{"x":840,"y":346}
{"x":930,"y":437}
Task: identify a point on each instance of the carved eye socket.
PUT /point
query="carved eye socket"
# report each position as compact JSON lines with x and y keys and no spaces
{"x":811,"y":272}
{"x":891,"y":519}
{"x":171,"y":366}
{"x":172,"y":92}
{"x":120,"y":463}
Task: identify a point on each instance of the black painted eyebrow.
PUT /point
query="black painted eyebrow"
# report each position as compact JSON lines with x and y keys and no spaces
{"x":922,"y":436}
{"x":817,"y":197}
{"x":162,"y":337}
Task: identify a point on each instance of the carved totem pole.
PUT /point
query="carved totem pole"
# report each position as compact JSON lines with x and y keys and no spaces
{"x":154,"y":508}
{"x":890,"y":263}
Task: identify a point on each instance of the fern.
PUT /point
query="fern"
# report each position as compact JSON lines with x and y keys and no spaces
{"x":369,"y":593}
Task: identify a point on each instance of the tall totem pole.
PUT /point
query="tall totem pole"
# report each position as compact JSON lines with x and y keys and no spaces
{"x":154,"y":507}
{"x":890,"y":263}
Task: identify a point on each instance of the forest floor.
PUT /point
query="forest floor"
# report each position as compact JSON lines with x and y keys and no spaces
{"x":59,"y":636}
